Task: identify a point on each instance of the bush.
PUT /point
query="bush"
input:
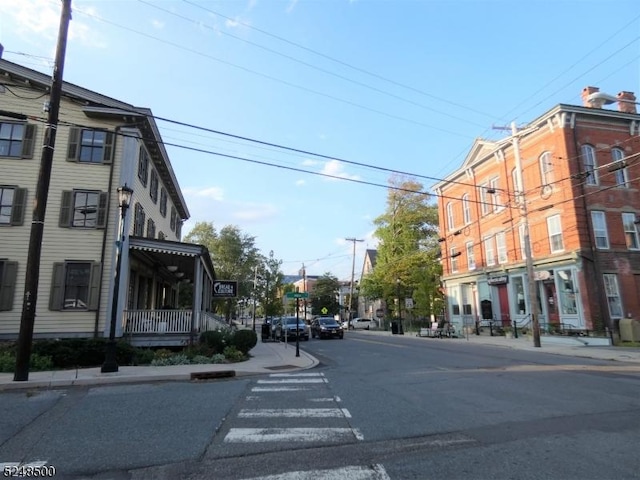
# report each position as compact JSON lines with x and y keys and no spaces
{"x":244,"y":340}
{"x":37,"y":363}
{"x":232,"y":354}
{"x":178,"y":359}
{"x":216,"y":340}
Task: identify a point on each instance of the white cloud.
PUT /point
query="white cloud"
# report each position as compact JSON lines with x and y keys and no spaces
{"x":335,"y":168}
{"x":255,"y":212}
{"x":213,"y":193}
{"x":300,"y":183}
{"x":307,"y":162}
{"x":157,"y":24}
{"x":291,"y":6}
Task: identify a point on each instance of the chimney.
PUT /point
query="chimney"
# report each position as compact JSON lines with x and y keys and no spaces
{"x":626,"y":102}
{"x":586,"y":91}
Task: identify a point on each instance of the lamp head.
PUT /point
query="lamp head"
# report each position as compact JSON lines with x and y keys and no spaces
{"x":124,"y":196}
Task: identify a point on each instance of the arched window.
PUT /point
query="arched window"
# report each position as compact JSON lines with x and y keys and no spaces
{"x":588,"y":154}
{"x":621,"y":175}
{"x":466,"y":209}
{"x":450,"y":220}
{"x":546,"y":168}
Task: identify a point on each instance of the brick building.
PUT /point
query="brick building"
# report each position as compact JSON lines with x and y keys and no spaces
{"x":578,"y":175}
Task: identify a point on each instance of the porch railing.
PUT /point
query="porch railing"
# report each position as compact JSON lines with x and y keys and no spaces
{"x":156,"y":321}
{"x":209,"y":321}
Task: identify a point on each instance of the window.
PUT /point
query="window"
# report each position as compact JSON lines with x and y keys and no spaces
{"x":454,"y":299}
{"x":622,"y":177}
{"x":613,"y":295}
{"x":589,"y":164}
{"x":471,"y":259}
{"x":450,"y":219}
{"x":179,"y":229}
{"x":630,"y":231}
{"x":523,"y":244}
{"x":501,"y":244}
{"x":515,"y":178}
{"x":151,"y":228}
{"x":83,"y":209}
{"x":12,"y":200}
{"x":174,"y":219}
{"x":517,"y":286}
{"x":483,"y":199}
{"x":600,"y":229}
{"x":567,"y":292}
{"x":453,"y":255}
{"x":466,"y":209}
{"x":495,"y":195}
{"x":8,"y":274}
{"x":554,"y":228}
{"x":143,"y":166}
{"x":138,"y":221}
{"x":546,"y":168}
{"x":161,"y":235}
{"x":163,"y":202}
{"x":75,"y":286}
{"x":90,"y":146}
{"x":489,"y":250}
{"x":153,"y":186}
{"x":17,"y":140}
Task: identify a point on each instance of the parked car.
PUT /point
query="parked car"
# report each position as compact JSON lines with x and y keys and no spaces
{"x":363,"y":324}
{"x":286,"y":327}
{"x":328,"y":327}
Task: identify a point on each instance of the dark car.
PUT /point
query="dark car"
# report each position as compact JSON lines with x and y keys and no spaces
{"x":326,"y":327}
{"x":285,"y":328}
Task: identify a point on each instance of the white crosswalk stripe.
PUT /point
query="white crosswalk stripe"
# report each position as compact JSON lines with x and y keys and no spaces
{"x":373,"y":472}
{"x":252,"y":435}
{"x":294,"y":413}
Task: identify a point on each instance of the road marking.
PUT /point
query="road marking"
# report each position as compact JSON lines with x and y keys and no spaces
{"x":295,"y":380}
{"x":256,"y":435}
{"x":297,"y":375}
{"x":278,"y":389}
{"x":328,"y":399}
{"x":372,"y":472}
{"x":295,"y":413}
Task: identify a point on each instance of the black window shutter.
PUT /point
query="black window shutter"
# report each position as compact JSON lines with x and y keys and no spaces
{"x":8,"y":285}
{"x":17,"y":210}
{"x":56,"y":299}
{"x":102,"y":210}
{"x":94,"y":285}
{"x":65,"y":209}
{"x":73,"y":151}
{"x":109,"y":141}
{"x":28,"y":141}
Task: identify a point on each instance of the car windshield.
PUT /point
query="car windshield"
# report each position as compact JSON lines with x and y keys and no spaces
{"x":328,"y":321}
{"x":292,"y":321}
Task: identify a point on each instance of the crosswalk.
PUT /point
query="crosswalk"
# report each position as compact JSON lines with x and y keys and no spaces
{"x":295,"y":408}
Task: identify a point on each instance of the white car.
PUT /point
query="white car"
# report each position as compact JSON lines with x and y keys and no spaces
{"x":361,"y":324}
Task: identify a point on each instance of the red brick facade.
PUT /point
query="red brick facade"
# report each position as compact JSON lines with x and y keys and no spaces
{"x":580,"y":170}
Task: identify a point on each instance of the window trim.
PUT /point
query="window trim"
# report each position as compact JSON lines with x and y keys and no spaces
{"x":600,"y":231}
{"x":8,"y":279}
{"x":466,"y":209}
{"x":589,"y":164}
{"x":67,"y":208}
{"x":546,"y":168}
{"x":555,"y":221}
{"x":630,"y":221}
{"x":489,"y":250}
{"x":621,"y":175}
{"x":59,"y":286}
{"x":18,"y":205}
{"x":27,"y":141}
{"x":74,"y":147}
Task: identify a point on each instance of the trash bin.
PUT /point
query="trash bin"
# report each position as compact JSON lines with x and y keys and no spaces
{"x":266,"y":332}
{"x":394,"y":328}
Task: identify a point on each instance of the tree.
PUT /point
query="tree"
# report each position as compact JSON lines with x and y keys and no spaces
{"x":234,"y":257}
{"x":407,"y":264}
{"x":270,"y":286}
{"x":325,"y":295}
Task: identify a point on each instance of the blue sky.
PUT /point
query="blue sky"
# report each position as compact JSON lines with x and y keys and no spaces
{"x":400,"y":85}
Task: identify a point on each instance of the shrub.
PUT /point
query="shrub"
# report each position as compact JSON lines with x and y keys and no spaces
{"x":201,"y":359}
{"x":244,"y":340}
{"x":82,"y":352}
{"x":216,"y":340}
{"x":232,"y":354}
{"x":218,"y":358}
{"x":178,"y":359}
{"x":36,"y":363}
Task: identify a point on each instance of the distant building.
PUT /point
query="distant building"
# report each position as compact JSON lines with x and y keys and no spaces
{"x":580,"y":179}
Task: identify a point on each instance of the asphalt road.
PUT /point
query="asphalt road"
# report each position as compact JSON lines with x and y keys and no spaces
{"x":375,"y":408}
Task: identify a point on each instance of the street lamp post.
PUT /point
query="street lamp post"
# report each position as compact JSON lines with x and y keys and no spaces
{"x":110,"y":363}
{"x":400,"y":329}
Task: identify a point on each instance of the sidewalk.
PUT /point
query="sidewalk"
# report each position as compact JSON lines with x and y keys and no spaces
{"x":266,"y":357}
{"x":556,"y":345}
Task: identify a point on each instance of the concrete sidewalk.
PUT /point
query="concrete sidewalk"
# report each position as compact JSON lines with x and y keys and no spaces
{"x":266,"y":357}
{"x":557,"y":345}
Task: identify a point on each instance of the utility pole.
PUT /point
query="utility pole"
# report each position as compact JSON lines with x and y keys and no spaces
{"x":533,"y":298}
{"x":27,"y":319}
{"x":353,"y":269}
{"x":304,"y":287}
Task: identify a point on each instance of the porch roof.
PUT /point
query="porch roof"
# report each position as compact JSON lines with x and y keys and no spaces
{"x":167,"y":253}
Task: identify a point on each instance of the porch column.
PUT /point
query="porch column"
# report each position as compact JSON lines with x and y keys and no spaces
{"x":197,"y":294}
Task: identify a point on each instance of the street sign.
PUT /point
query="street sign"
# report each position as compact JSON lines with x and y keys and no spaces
{"x":408,"y":303}
{"x":324,"y":310}
{"x":297,"y":294}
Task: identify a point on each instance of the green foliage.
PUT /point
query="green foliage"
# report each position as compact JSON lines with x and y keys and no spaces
{"x":37,"y":363}
{"x":81,"y":352}
{"x":216,"y":340}
{"x":232,"y":354}
{"x":325,"y":294}
{"x":244,"y":340}
{"x":175,"y":359}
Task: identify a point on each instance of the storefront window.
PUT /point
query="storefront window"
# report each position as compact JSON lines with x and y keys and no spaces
{"x":454,"y":300}
{"x":567,"y":292}
{"x":517,"y":284}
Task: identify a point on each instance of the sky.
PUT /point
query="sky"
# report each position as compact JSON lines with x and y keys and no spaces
{"x":354,"y":90}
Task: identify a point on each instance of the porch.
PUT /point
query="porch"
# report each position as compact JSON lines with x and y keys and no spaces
{"x":167,"y":327}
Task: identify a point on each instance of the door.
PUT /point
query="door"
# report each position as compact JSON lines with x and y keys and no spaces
{"x":503,"y":299}
{"x":551,"y":301}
